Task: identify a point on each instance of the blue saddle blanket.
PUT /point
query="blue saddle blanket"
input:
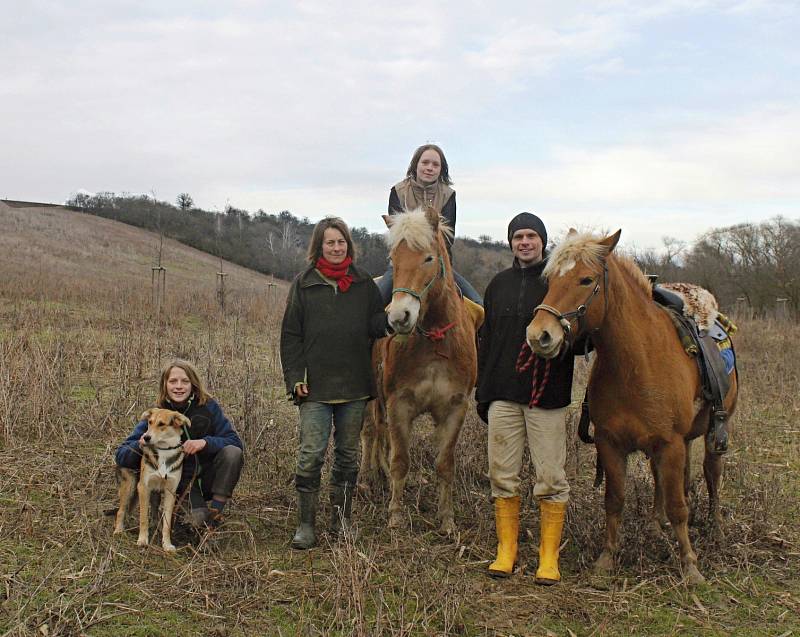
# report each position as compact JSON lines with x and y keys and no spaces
{"x":720,"y":336}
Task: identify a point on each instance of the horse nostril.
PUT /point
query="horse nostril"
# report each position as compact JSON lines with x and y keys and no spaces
{"x":406,"y":316}
{"x":545,"y":339}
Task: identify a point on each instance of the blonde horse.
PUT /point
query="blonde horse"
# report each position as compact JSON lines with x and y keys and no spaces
{"x":645,"y":393}
{"x":428,"y":366}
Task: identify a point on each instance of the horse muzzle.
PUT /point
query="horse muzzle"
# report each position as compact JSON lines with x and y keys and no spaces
{"x":543,"y":342}
{"x":402,"y":314}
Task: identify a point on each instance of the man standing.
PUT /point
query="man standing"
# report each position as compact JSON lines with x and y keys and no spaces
{"x":528,"y":405}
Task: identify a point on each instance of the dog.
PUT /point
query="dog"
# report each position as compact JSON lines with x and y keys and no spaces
{"x":160,"y":472}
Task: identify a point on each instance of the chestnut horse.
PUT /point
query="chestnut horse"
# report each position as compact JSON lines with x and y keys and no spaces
{"x":428,"y":366}
{"x":645,"y":392}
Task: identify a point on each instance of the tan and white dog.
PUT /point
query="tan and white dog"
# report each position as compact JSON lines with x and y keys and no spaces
{"x":162,"y":459}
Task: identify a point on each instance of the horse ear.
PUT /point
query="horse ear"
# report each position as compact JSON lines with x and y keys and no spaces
{"x":388,"y":220}
{"x":432,"y":216}
{"x":611,"y":241}
{"x":571,"y":232}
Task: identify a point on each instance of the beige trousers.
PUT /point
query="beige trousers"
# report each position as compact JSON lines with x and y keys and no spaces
{"x":546,"y":432}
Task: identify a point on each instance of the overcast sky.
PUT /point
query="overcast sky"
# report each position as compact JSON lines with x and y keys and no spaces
{"x":660,"y":118}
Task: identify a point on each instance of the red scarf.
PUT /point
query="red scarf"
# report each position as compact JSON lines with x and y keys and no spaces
{"x":336,"y":272}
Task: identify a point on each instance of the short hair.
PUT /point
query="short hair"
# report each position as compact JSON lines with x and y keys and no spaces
{"x":444,"y":175}
{"x":198,"y":388}
{"x":317,"y":236}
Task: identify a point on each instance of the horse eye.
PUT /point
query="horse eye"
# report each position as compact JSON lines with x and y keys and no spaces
{"x":587,"y":280}
{"x":429,"y":258}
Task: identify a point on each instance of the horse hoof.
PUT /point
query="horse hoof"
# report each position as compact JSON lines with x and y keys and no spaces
{"x":717,"y":533}
{"x":656,"y":528}
{"x":604,"y":564}
{"x":363,"y":490}
{"x":448,"y":527}
{"x":396,"y":520}
{"x":693,"y":577}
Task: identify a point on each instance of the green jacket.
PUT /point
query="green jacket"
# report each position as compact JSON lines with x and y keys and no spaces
{"x":327,"y":335}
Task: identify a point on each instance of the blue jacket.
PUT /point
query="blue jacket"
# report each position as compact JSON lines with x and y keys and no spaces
{"x":208,"y":423}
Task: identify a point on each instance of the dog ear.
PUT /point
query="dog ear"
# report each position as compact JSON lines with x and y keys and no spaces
{"x":146,"y":415}
{"x":179,"y":421}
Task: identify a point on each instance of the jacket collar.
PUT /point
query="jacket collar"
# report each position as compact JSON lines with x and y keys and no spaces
{"x":533,"y":270}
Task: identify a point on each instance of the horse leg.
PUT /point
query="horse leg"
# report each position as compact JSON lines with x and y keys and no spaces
{"x":448,"y":426}
{"x":712,"y":471}
{"x":672,"y":459}
{"x":399,"y":461}
{"x":658,"y":516}
{"x":691,"y":502}
{"x":368,"y":443}
{"x":614,"y":464}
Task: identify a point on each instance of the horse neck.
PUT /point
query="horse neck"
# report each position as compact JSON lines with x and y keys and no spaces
{"x":622,"y":338}
{"x":442,"y":302}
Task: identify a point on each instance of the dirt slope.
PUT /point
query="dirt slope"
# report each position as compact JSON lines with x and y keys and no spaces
{"x":68,"y":246}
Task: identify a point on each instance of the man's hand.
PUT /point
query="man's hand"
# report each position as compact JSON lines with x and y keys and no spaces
{"x":191,"y":447}
{"x":301,"y":390}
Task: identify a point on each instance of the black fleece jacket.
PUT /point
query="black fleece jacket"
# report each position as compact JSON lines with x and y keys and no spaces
{"x":508,"y":303}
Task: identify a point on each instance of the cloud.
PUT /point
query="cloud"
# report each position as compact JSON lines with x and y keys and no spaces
{"x":316,"y":107}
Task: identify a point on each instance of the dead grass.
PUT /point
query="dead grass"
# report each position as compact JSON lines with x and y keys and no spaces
{"x":80,"y":354}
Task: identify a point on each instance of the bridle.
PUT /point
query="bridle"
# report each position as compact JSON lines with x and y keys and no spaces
{"x":565,"y":319}
{"x":419,"y":295}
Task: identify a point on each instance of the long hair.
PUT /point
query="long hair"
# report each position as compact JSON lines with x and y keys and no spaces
{"x":444,"y":175}
{"x":201,"y":394}
{"x":315,"y":247}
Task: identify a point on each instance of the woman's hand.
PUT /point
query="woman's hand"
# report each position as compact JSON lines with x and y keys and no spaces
{"x":191,"y":447}
{"x":301,"y":390}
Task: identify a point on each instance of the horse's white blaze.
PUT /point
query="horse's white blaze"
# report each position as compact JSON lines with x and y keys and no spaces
{"x":403,"y":313}
{"x":566,"y":267}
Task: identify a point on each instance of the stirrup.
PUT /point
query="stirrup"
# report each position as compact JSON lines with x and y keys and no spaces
{"x":717,"y":436}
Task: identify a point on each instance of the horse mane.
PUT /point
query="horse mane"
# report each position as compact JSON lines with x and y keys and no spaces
{"x":575,"y":248}
{"x":635,"y":272}
{"x":414,"y":227}
{"x":586,"y":248}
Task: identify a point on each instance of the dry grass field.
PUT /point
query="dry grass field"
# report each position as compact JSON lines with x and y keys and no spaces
{"x":80,"y":349}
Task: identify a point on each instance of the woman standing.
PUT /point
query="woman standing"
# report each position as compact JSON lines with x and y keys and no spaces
{"x":427,"y":183}
{"x":213,"y":449}
{"x":333,"y":313}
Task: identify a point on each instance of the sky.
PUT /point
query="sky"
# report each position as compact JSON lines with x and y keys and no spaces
{"x":664,"y":119}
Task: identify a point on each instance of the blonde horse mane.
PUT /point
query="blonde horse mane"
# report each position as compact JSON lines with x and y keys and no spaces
{"x":414,"y":227}
{"x":586,"y":248}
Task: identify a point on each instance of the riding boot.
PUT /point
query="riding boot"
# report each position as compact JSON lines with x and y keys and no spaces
{"x":717,"y":436}
{"x":551,"y":525}
{"x":506,"y":519}
{"x":304,"y":537}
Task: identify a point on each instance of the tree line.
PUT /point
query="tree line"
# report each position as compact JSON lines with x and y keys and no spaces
{"x":757,"y":262}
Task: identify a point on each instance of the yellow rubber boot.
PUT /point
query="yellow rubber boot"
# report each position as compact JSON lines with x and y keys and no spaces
{"x":552,"y":523}
{"x":506,"y":519}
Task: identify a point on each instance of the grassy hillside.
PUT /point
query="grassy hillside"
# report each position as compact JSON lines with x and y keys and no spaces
{"x":81,"y":345}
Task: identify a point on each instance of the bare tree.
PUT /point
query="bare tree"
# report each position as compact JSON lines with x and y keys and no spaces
{"x":185,"y":201}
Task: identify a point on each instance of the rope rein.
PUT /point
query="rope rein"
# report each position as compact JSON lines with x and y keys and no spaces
{"x":540,"y":375}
